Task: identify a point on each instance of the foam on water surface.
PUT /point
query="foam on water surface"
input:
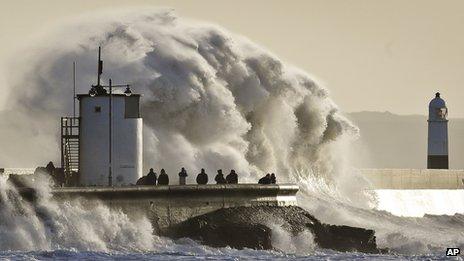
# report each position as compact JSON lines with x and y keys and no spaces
{"x":417,"y":203}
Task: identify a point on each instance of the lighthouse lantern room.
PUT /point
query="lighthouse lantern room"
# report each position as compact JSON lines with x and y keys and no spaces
{"x":437,"y":152}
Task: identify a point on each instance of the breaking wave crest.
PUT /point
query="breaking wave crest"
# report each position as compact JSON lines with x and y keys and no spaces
{"x":47,"y":225}
{"x":82,"y":229}
{"x":211,"y":100}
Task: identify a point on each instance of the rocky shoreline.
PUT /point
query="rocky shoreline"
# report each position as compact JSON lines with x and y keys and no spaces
{"x":250,"y":227}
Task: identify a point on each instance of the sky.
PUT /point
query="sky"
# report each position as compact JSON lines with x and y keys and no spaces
{"x":372,"y":55}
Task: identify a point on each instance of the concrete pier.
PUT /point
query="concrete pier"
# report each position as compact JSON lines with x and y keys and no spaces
{"x":414,"y":178}
{"x":169,"y":205}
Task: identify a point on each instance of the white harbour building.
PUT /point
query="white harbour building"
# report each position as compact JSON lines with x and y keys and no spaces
{"x":104,"y":143}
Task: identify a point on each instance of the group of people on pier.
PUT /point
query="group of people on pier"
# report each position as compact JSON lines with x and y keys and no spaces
{"x":202,"y":178}
{"x":268,"y":179}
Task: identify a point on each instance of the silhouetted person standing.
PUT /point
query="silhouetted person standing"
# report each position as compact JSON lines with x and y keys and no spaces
{"x":182,"y":176}
{"x":151,"y":178}
{"x":141,"y":181}
{"x":163,"y":178}
{"x":202,"y":178}
{"x":273,"y":179}
{"x":220,"y":177}
{"x":232,"y":178}
{"x":50,"y":168}
{"x":265,"y":180}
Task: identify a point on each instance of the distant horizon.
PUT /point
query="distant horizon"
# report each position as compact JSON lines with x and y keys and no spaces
{"x":397,"y":114}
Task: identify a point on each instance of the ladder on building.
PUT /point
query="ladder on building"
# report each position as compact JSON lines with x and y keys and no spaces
{"x":70,"y":145}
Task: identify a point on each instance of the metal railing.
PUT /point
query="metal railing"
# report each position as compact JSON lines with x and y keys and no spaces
{"x":69,"y":145}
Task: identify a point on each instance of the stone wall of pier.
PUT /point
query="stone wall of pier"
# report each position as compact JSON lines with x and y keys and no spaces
{"x":414,"y":178}
{"x":168,"y":205}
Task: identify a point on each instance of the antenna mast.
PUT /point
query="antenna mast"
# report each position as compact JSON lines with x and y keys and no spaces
{"x":100,"y":66}
{"x":98,"y":89}
{"x":74,"y":89}
{"x":110,"y":114}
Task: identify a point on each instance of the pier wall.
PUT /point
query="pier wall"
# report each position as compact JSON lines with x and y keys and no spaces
{"x":414,"y":178}
{"x":169,"y":205}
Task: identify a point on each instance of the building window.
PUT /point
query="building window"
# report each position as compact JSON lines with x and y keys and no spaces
{"x":98,"y":109}
{"x":132,"y":107}
{"x":442,"y":113}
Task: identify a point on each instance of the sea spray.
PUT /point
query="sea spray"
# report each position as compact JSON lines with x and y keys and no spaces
{"x":76,"y":228}
{"x":46,"y":224}
{"x":301,"y":244}
{"x":211,"y":100}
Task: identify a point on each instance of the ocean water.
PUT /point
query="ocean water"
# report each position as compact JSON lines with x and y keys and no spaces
{"x":49,"y":230}
{"x":225,"y":254}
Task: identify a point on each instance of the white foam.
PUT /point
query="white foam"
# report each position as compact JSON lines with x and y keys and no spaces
{"x":49,"y":225}
{"x":417,"y":203}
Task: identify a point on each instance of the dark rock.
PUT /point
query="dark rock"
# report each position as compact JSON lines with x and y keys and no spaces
{"x":249,"y":227}
{"x":238,"y":236}
{"x":344,"y":238}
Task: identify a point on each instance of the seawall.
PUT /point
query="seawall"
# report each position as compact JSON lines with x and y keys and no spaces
{"x":238,"y":216}
{"x":414,"y":178}
{"x":169,"y":205}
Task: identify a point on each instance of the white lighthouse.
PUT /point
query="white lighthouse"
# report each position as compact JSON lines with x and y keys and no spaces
{"x":109,"y":137}
{"x":437,"y":152}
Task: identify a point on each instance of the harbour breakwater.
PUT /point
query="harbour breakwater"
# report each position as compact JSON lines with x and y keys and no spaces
{"x":239,"y":216}
{"x":414,"y":178}
{"x":417,"y":192}
{"x":169,"y":205}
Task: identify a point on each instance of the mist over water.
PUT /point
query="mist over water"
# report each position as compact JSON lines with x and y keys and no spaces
{"x":211,"y":99}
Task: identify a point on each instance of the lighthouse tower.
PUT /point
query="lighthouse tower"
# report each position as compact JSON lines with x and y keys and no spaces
{"x":437,"y":153}
{"x":110,"y":135}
